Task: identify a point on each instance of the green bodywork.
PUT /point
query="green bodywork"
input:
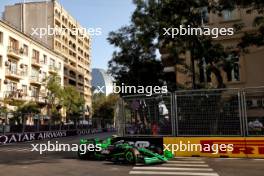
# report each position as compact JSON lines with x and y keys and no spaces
{"x":124,"y":151}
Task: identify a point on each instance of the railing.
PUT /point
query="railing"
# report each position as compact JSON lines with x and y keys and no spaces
{"x":53,"y":68}
{"x":13,"y":122}
{"x":16,"y":51}
{"x":35,"y":60}
{"x":14,"y":72}
{"x":18,"y":94}
{"x":35,"y":78}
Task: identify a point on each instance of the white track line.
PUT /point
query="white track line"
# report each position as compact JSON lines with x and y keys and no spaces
{"x":173,"y":168}
{"x":172,"y":173}
{"x":187,"y":162}
{"x":185,"y":165}
{"x":190,"y":158}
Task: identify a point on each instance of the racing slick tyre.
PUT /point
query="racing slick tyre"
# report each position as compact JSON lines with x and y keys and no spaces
{"x":131,"y":156}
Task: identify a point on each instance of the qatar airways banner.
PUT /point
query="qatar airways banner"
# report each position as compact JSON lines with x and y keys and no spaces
{"x":31,"y":136}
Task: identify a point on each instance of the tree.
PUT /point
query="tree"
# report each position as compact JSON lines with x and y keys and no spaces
{"x":104,"y":108}
{"x":24,"y":110}
{"x":144,"y":37}
{"x":73,"y":103}
{"x":54,"y":96}
{"x":134,"y":64}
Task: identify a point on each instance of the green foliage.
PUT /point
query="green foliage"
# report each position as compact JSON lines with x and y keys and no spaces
{"x":104,"y":106}
{"x":54,"y":89}
{"x":138,"y":42}
{"x":73,"y":102}
{"x":30,"y":107}
{"x":135,"y":64}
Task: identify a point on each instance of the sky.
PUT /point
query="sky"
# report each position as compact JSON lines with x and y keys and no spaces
{"x":109,"y":15}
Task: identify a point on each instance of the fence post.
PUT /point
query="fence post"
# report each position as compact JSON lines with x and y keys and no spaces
{"x":123,"y":119}
{"x":240,"y":108}
{"x":176,"y":115}
{"x":245,"y":127}
{"x":173,"y":115}
{"x":23,"y":122}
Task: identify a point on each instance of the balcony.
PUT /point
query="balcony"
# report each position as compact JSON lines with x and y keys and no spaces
{"x":15,"y":95}
{"x":35,"y":80}
{"x":14,"y":73}
{"x":14,"y":52}
{"x":35,"y":62}
{"x":38,"y":99}
{"x":53,"y":69}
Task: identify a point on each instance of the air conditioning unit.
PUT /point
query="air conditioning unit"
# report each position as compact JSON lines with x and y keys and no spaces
{"x":254,"y":103}
{"x":7,"y":63}
{"x":21,"y":50}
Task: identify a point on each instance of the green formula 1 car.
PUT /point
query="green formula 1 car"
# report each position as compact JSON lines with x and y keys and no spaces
{"x":121,"y":151}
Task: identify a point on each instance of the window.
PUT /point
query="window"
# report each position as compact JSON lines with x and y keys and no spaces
{"x":25,"y":50}
{"x":13,"y":44}
{"x":230,"y":15}
{"x":52,"y":62}
{"x":12,"y":68}
{"x":11,"y":86}
{"x":204,"y":15}
{"x":1,"y":37}
{"x":233,"y":72}
{"x":34,"y":92}
{"x":1,"y":61}
{"x":35,"y":73}
{"x":24,"y":89}
{"x":44,"y":75}
{"x":24,"y":69}
{"x":35,"y":54}
{"x":45,"y":59}
{"x":59,"y":65}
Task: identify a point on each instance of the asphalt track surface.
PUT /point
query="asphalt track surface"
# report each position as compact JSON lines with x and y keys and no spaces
{"x":19,"y":160}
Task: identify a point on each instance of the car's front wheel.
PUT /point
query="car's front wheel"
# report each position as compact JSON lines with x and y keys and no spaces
{"x":131,"y":156}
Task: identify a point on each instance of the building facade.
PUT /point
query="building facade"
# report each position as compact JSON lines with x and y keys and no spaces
{"x":71,"y":41}
{"x":24,"y":65}
{"x":246,"y":67}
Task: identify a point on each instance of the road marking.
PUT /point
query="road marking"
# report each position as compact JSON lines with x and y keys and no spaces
{"x":172,"y":173}
{"x":186,"y":165}
{"x":189,"y":158}
{"x":258,"y":159}
{"x":176,"y":166}
{"x":15,"y":149}
{"x":188,"y":162}
{"x":172,"y":168}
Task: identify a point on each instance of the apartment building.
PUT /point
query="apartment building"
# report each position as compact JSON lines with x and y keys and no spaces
{"x":74,"y":46}
{"x":24,"y":65}
{"x":247,"y":67}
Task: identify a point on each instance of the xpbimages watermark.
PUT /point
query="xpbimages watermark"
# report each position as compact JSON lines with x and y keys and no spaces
{"x":190,"y":147}
{"x":50,"y":31}
{"x":124,"y":89}
{"x":206,"y":31}
{"x":60,"y":147}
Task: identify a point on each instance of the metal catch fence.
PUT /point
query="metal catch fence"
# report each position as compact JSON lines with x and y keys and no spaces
{"x":217,"y":112}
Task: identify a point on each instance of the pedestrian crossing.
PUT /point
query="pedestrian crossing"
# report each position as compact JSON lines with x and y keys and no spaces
{"x":177,"y":166}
